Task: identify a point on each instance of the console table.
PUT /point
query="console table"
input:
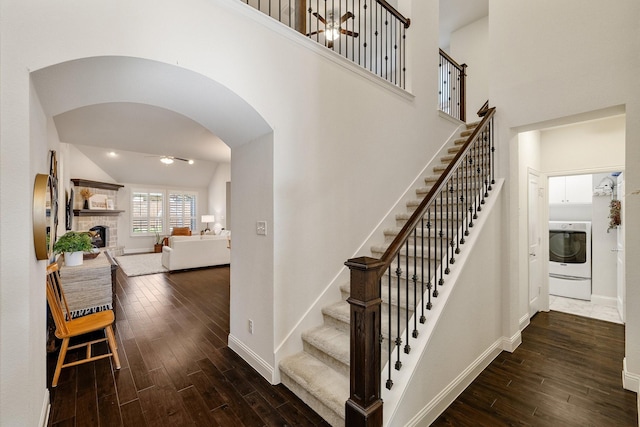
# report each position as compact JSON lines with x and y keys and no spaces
{"x":90,"y":287}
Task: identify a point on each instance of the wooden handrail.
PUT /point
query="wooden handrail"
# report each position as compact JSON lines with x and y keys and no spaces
{"x":412,"y":222}
{"x":394,"y":12}
{"x":364,"y":407}
{"x":450,"y":59}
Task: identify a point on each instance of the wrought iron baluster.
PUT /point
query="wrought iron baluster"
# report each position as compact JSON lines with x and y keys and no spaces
{"x":450,"y":240}
{"x":414,"y":279}
{"x":389,"y":334}
{"x":441,"y":254}
{"x":407,"y":347}
{"x":477,"y":178}
{"x":459,"y":199}
{"x":422,"y":316}
{"x":429,"y":280}
{"x":398,"y":331}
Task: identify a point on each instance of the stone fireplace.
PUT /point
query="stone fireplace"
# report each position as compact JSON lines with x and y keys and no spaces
{"x":102,"y":221}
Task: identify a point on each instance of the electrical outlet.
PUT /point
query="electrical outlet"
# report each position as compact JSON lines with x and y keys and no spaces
{"x":250,"y":326}
{"x":261,"y":228}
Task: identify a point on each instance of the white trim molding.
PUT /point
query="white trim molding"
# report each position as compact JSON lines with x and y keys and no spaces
{"x":524,"y":321}
{"x":450,"y":393}
{"x":46,"y":407}
{"x":252,"y":358}
{"x":511,"y":343}
{"x":630,"y":381}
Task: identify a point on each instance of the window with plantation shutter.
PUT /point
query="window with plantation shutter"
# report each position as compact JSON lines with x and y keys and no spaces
{"x":147,"y":212}
{"x":182,"y":210}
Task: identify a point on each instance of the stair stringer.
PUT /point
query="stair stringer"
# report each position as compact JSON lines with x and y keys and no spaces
{"x":292,"y":343}
{"x":416,"y":398}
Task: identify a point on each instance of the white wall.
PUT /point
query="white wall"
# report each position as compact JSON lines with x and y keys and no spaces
{"x":327,"y":156}
{"x":539,"y":75}
{"x":603,"y":257}
{"x":461,"y":344}
{"x":218,"y":193}
{"x":470,"y":45}
{"x":528,"y":160}
{"x":584,"y":146}
{"x":252,"y":255}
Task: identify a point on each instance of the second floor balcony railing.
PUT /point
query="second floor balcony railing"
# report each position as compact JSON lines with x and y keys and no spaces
{"x":371,"y":33}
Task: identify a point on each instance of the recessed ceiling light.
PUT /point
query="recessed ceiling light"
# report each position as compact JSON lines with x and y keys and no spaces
{"x":112,"y":154}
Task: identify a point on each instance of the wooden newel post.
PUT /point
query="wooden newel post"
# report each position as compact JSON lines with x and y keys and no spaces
{"x":364,"y":407}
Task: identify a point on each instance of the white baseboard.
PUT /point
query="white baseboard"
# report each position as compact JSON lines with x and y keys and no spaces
{"x":441,"y":402}
{"x":510,"y":344}
{"x":606,"y":301}
{"x":630,"y":381}
{"x":137,"y":251}
{"x":46,"y":407}
{"x":524,"y":321}
{"x":253,"y":359}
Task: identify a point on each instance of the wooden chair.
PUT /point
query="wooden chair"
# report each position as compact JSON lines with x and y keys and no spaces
{"x":181,"y":231}
{"x":67,"y":328}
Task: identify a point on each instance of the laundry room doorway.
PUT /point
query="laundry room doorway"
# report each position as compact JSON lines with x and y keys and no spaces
{"x":577,"y":161}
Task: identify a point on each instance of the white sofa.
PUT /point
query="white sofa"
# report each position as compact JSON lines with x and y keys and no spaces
{"x":195,"y":251}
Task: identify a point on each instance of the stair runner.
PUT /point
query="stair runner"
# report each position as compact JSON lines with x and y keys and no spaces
{"x":319,"y":375}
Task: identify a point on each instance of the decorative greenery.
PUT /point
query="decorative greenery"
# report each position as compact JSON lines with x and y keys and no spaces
{"x":614,"y":214}
{"x":159,"y":238}
{"x":73,"y":241}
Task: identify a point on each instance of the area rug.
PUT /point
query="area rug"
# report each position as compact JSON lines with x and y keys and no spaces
{"x":141,"y":264}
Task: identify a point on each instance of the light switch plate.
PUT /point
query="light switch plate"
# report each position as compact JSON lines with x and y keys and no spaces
{"x":261,"y":228}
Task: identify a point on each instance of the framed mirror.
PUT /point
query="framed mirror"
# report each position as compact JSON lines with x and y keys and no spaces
{"x":45,"y":210}
{"x":41,"y":215}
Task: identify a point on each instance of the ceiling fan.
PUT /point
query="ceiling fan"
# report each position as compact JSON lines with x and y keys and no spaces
{"x":332,"y":27}
{"x":167,"y":160}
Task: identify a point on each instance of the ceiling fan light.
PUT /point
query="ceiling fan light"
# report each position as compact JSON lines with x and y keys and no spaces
{"x":166,"y":160}
{"x":333,"y":32}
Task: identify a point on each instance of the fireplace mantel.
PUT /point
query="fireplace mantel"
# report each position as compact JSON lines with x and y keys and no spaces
{"x":96,"y":212}
{"x":79,"y":182}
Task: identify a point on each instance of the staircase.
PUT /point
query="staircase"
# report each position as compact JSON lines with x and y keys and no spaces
{"x":319,"y":375}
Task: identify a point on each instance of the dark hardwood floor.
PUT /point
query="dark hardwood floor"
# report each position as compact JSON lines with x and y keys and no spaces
{"x":176,"y":367}
{"x":566,"y":372}
{"x":177,"y":370}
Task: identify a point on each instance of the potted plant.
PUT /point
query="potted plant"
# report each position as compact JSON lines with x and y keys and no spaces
{"x":157,"y":247}
{"x":73,"y":244}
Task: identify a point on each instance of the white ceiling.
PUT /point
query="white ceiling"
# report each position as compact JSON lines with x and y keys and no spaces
{"x":137,"y":135}
{"x":142,"y":109}
{"x":455,"y":14}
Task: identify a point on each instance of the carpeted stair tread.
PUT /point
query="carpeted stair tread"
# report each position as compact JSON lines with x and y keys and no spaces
{"x":319,"y":375}
{"x":337,"y":315}
{"x":330,"y":345}
{"x":433,"y":234}
{"x":319,"y":380}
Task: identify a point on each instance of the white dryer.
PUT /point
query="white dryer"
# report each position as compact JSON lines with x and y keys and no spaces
{"x":570,"y":259}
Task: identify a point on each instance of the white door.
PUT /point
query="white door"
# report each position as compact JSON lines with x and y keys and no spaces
{"x":535,"y":257}
{"x":620,"y":252}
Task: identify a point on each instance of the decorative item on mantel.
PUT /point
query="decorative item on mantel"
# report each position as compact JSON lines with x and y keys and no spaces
{"x":86,"y":194}
{"x":614,"y":214}
{"x":73,"y":245}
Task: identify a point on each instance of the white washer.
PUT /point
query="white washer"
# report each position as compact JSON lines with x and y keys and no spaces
{"x":570,"y":259}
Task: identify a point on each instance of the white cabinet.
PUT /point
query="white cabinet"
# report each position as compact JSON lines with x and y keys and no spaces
{"x":570,"y":189}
